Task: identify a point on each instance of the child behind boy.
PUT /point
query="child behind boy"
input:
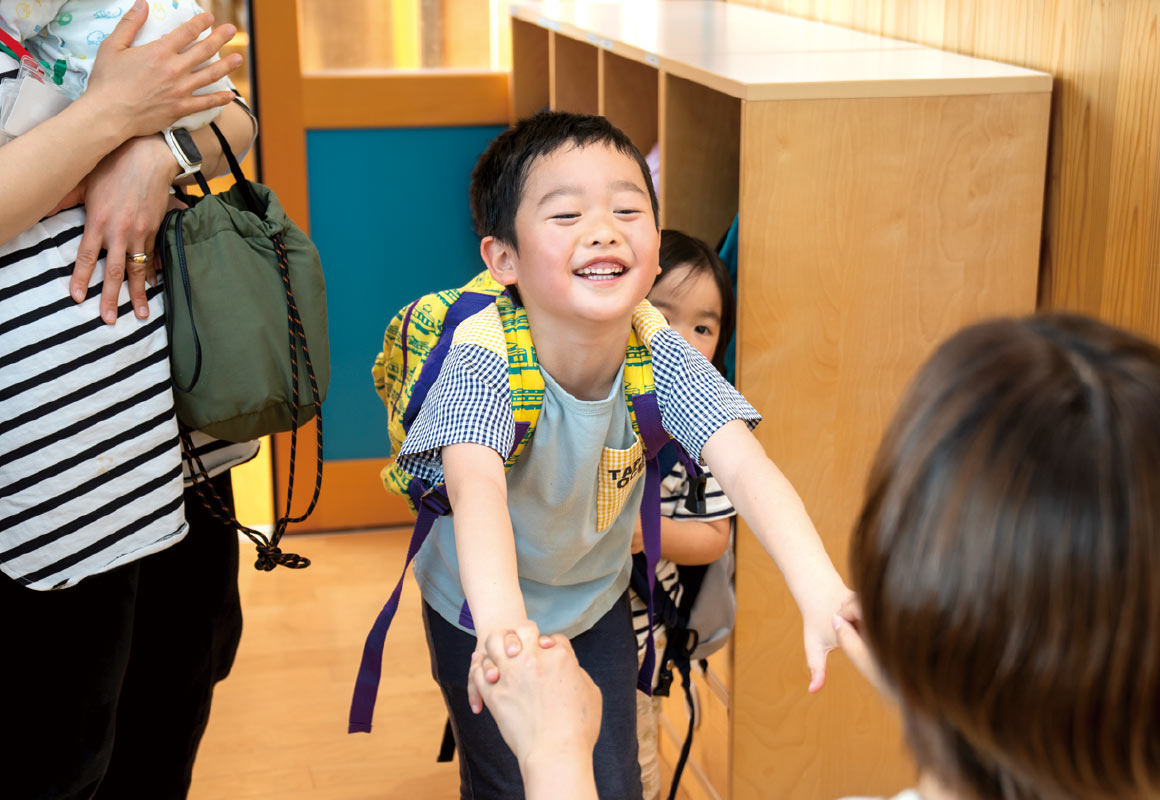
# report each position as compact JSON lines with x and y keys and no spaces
{"x":695,"y":295}
{"x":568,"y":221}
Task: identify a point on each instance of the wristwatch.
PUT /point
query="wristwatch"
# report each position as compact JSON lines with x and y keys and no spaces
{"x":184,"y":150}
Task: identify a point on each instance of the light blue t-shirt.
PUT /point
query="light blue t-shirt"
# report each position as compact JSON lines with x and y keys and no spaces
{"x":575,"y":492}
{"x":571,"y":579}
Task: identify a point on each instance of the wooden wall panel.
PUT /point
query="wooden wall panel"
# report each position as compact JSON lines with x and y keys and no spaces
{"x":895,"y":240}
{"x":1101,"y":239}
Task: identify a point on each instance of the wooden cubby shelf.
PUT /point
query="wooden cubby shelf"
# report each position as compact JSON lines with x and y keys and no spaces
{"x":887,"y":194}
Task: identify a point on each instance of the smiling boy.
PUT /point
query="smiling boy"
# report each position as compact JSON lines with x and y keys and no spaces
{"x":568,"y":222}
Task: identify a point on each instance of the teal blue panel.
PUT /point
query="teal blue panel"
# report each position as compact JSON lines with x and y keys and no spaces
{"x":389,"y":213}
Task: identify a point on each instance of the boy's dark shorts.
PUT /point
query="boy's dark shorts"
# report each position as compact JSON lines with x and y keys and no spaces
{"x":487,"y":768}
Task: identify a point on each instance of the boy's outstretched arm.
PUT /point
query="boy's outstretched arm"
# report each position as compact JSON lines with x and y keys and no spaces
{"x":484,"y":541}
{"x":768,"y":502}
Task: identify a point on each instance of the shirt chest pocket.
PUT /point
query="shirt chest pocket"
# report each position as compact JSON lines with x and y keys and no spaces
{"x":619,"y":471}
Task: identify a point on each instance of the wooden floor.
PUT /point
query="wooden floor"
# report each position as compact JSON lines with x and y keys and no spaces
{"x":278,"y":726}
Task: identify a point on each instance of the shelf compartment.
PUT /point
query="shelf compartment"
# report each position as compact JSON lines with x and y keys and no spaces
{"x":573,"y":69}
{"x":700,"y":137}
{"x":530,"y":89}
{"x":629,"y":96}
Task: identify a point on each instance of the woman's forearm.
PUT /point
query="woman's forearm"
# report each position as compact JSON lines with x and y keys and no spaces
{"x":559,"y":776}
{"x":43,"y":165}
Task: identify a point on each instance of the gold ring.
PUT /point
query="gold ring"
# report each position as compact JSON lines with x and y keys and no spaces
{"x":139,"y":258}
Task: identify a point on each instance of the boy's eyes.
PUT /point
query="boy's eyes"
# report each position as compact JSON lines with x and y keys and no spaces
{"x":624,"y":212}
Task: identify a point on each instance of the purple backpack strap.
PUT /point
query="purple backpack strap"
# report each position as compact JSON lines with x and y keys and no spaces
{"x":648,"y":421}
{"x":431,"y":504}
{"x":466,"y":305}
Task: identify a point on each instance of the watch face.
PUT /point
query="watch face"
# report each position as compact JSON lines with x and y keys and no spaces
{"x":184,"y":140}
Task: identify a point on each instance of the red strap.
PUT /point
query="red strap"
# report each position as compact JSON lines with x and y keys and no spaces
{"x":15,"y":46}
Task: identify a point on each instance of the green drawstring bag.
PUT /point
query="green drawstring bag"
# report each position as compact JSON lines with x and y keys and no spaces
{"x":245,"y":310}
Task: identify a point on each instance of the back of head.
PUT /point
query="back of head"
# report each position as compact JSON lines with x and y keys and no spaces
{"x":498,"y":180}
{"x":1008,"y":561}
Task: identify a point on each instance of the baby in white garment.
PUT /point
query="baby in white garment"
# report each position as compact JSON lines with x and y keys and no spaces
{"x":67,"y":33}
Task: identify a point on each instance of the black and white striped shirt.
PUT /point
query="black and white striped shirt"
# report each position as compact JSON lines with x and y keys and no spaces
{"x":90,"y":470}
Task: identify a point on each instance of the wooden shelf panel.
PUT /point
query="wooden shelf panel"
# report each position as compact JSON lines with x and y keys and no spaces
{"x":573,"y":75}
{"x":629,"y":93}
{"x":700,"y":158}
{"x":529,"y":83}
{"x":871,"y":230}
{"x":917,"y":72}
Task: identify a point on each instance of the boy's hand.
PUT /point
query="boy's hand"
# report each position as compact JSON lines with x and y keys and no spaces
{"x":510,"y":643}
{"x":820,"y":635}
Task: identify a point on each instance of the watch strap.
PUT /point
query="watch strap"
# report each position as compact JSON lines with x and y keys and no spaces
{"x":190,"y":163}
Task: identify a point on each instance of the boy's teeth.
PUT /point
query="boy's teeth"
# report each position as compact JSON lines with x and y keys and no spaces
{"x":595,"y":272}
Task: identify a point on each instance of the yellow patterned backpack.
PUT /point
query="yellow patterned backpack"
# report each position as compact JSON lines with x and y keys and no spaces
{"x":414,"y":348}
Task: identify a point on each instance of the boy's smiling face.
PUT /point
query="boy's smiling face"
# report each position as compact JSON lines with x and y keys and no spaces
{"x":588,"y":243}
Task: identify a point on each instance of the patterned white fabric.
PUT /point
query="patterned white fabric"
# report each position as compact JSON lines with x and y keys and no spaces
{"x":72,"y":30}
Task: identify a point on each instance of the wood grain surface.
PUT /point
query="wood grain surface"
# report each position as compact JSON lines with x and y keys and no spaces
{"x":529,"y":69}
{"x":629,"y":96}
{"x":573,"y":72}
{"x":1101,"y":248}
{"x":277,"y":730}
{"x":700,"y":146}
{"x":871,"y":230}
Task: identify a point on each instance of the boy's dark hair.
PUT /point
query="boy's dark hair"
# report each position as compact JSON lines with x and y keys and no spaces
{"x":1007,"y":558}
{"x":679,"y":250}
{"x":497,"y":182}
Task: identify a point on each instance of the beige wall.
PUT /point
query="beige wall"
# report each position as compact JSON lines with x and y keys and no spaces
{"x":1101,"y":238}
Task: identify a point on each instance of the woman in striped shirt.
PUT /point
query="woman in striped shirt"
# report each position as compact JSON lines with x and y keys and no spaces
{"x":119,"y":616}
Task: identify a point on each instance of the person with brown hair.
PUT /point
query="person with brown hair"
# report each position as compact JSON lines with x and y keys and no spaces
{"x":1005,"y":562}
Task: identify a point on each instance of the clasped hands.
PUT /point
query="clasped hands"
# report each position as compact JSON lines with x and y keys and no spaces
{"x":546,"y":705}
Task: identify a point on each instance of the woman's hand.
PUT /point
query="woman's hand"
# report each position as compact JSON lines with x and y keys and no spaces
{"x":126,"y":197}
{"x":546,"y":706}
{"x":148,"y":88}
